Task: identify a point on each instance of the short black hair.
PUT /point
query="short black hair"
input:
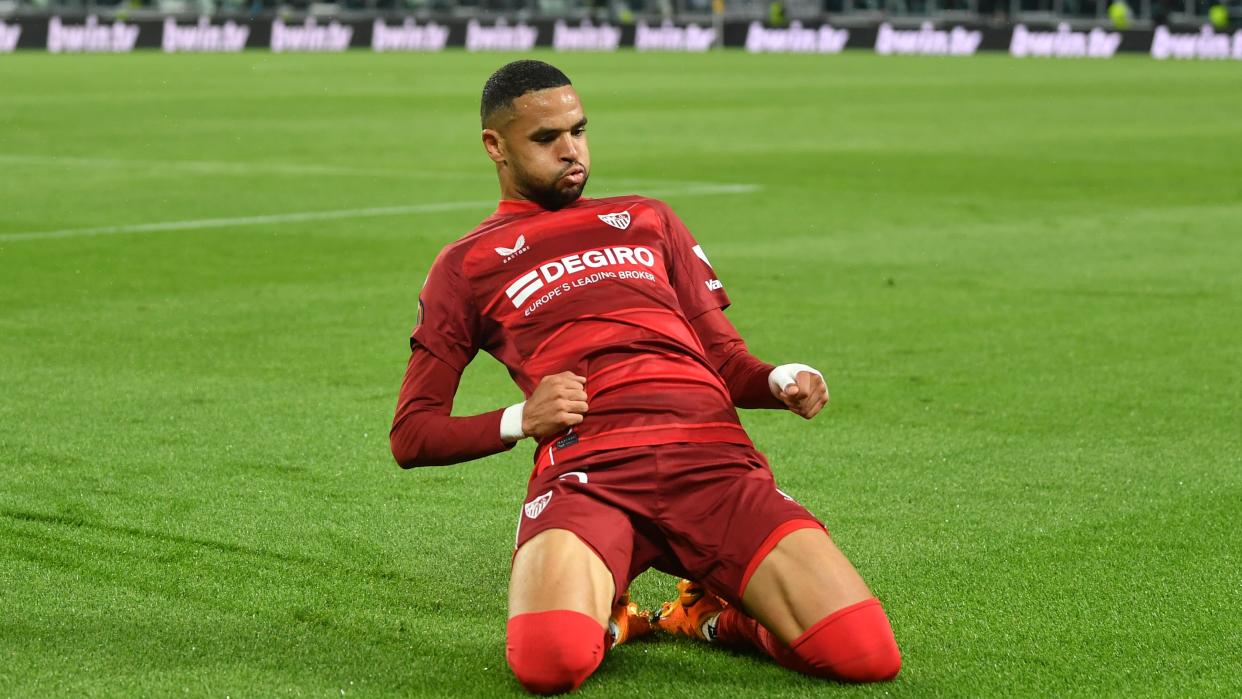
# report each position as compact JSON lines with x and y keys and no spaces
{"x":514,"y":80}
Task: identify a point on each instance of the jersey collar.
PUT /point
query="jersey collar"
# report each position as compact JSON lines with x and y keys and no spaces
{"x":508,"y":207}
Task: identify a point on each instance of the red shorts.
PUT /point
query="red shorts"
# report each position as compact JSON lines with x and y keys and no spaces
{"x":708,"y":512}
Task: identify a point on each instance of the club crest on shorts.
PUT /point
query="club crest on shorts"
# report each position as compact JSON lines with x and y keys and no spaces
{"x":620,"y":221}
{"x":535,"y":507}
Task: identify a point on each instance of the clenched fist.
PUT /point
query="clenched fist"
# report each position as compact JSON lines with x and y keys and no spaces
{"x":801,"y":388}
{"x":559,"y":402}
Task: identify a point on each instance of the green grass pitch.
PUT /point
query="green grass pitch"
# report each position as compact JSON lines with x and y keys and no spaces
{"x":1022,"y":279}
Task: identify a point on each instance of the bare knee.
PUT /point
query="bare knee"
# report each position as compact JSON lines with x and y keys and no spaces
{"x":554,"y":651}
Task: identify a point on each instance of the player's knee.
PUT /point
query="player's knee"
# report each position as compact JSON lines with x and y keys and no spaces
{"x":853,"y":644}
{"x":553,"y":652}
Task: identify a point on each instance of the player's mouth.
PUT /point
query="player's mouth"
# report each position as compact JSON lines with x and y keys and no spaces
{"x":575,"y":175}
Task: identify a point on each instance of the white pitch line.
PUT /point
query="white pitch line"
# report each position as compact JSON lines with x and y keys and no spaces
{"x":300,"y":216}
{"x":703,"y":188}
{"x":224,"y":167}
{"x":195,"y":224}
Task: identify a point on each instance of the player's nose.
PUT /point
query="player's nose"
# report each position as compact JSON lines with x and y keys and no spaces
{"x":569,"y":149}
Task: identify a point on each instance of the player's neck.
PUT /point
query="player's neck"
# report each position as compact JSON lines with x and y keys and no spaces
{"x":518,"y":205}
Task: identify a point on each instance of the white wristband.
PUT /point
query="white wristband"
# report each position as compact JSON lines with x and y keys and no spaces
{"x":511,"y":423}
{"x":785,"y":374}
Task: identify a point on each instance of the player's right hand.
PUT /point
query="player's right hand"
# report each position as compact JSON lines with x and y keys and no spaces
{"x":558,"y":403}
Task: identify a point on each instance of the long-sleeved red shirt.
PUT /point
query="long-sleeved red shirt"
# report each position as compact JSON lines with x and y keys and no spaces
{"x":614,"y":289}
{"x":424,"y":433}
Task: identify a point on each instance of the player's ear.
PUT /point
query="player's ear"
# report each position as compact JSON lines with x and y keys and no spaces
{"x":494,"y":144}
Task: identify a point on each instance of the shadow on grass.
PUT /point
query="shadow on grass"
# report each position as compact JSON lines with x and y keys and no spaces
{"x":218,"y":546}
{"x":127,"y":619}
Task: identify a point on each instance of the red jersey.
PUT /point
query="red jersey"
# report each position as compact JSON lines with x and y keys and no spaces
{"x":605,"y":288}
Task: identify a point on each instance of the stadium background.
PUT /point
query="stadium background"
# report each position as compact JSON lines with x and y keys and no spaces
{"x":1020,"y":276}
{"x":1062,"y":28}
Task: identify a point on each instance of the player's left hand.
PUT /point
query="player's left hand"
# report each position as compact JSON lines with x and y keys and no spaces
{"x":801,"y":388}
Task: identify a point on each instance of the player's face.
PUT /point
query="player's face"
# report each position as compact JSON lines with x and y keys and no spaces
{"x":544,"y":146}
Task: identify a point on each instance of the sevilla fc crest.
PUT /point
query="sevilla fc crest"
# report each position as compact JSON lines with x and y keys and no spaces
{"x":620,"y":221}
{"x":535,"y":507}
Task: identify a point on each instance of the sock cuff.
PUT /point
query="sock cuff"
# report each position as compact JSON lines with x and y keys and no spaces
{"x":833,"y":618}
{"x":557,"y":617}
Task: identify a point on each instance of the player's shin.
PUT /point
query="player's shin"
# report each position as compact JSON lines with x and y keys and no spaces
{"x":853,"y":644}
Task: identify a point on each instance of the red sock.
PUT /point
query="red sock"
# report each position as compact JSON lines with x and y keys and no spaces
{"x":553,"y":652}
{"x":735,"y":629}
{"x":853,"y":644}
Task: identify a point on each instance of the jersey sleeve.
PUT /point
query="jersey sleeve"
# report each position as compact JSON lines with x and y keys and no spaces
{"x":423,"y":432}
{"x":698,"y":288}
{"x":448,"y":323}
{"x":745,"y":375}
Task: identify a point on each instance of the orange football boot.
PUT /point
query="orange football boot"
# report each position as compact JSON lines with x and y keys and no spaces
{"x":628,"y":622}
{"x":689,"y":614}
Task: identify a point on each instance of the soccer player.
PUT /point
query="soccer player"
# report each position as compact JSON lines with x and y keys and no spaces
{"x":610,"y":319}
